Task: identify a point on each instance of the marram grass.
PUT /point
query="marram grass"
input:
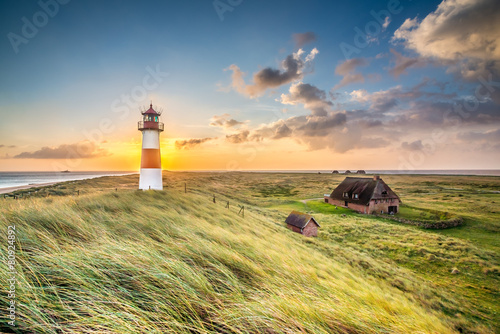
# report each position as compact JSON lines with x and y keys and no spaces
{"x":169,"y":262}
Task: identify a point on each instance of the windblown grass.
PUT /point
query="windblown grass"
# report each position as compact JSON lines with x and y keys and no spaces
{"x":129,"y":261}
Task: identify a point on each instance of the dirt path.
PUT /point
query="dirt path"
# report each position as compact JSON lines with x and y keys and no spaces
{"x":310,"y":199}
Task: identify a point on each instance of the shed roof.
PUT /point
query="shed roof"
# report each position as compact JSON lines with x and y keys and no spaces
{"x":366,"y":188}
{"x":299,"y":219}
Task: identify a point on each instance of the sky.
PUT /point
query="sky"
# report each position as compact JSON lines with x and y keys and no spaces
{"x":251,"y":85}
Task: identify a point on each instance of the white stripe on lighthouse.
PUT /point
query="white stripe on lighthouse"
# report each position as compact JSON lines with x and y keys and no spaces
{"x":150,"y":139}
{"x":150,"y":177}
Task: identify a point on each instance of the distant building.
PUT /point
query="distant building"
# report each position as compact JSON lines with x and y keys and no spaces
{"x":302,"y":223}
{"x":347,"y":172}
{"x":335,"y":172}
{"x":360,"y":172}
{"x":365,"y":195}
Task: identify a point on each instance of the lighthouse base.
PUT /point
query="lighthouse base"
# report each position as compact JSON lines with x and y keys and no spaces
{"x":150,"y":179}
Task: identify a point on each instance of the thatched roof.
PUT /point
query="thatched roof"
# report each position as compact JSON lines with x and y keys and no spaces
{"x":366,"y":189}
{"x":299,"y":219}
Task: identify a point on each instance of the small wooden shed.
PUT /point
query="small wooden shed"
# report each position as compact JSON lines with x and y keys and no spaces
{"x":302,"y":223}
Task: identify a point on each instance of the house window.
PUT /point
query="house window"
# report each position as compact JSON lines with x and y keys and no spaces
{"x":346,"y":194}
{"x":356,"y":196}
{"x":384,"y":192}
{"x":376,"y":201}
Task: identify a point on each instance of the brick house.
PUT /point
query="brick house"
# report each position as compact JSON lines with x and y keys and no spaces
{"x":365,"y":195}
{"x":302,"y":223}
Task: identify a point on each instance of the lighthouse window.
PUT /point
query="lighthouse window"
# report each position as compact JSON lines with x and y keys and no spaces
{"x":156,"y":118}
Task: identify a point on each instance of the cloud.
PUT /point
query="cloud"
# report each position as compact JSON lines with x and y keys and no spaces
{"x":386,"y":23}
{"x":381,"y":101}
{"x":302,"y":39}
{"x":8,"y":146}
{"x":293,"y":68}
{"x":386,"y":100}
{"x":491,"y":136}
{"x":424,"y":113}
{"x":413,"y":146}
{"x":238,"y":138}
{"x":464,"y":34}
{"x":282,"y":131}
{"x":360,"y":95}
{"x":350,"y":65}
{"x":190,"y":143}
{"x":344,"y":139}
{"x":487,"y":140}
{"x":301,"y":128}
{"x":224,"y":121}
{"x":309,"y":95}
{"x":82,"y":150}
{"x":321,"y":125}
{"x":402,"y":63}
{"x":347,"y":69}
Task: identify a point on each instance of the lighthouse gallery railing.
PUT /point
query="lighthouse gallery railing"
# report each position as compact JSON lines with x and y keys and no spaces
{"x":141,"y":125}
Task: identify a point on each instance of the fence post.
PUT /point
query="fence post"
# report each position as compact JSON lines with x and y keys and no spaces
{"x":214,"y":198}
{"x":78,"y":191}
{"x":227,"y":205}
{"x":185,"y":187}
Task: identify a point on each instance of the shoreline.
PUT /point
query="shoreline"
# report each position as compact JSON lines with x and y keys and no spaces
{"x":6,"y":190}
{"x":37,"y":185}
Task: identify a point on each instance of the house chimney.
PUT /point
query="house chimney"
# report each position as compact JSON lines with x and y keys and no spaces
{"x":376,"y":177}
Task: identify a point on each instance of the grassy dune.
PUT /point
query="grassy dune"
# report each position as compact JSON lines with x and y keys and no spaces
{"x":117,"y":260}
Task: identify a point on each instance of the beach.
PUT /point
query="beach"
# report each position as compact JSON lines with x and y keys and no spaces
{"x":12,"y":189}
{"x":12,"y":181}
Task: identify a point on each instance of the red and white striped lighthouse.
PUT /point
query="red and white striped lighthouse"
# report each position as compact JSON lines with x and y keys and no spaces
{"x":150,"y":126}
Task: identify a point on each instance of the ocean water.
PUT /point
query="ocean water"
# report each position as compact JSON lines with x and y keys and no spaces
{"x":13,"y":179}
{"x":485,"y":172}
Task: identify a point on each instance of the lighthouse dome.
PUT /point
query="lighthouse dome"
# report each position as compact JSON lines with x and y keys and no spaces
{"x":151,"y":111}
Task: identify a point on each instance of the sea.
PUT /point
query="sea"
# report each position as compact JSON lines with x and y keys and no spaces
{"x":14,"y":179}
{"x":484,"y":172}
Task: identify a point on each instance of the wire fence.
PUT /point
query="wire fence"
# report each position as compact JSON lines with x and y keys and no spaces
{"x":52,"y":191}
{"x":226,"y":203}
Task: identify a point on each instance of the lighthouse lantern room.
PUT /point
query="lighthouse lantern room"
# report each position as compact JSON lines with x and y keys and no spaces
{"x":150,"y":126}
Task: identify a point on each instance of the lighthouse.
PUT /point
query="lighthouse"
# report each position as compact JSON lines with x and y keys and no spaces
{"x":150,"y":126}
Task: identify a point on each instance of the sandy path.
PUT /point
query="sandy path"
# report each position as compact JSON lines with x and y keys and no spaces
{"x":310,"y":199}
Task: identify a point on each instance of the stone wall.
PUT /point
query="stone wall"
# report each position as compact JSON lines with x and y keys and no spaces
{"x":439,"y":225}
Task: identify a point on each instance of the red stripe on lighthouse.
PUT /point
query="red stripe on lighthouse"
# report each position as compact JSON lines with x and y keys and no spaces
{"x":150,"y":158}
